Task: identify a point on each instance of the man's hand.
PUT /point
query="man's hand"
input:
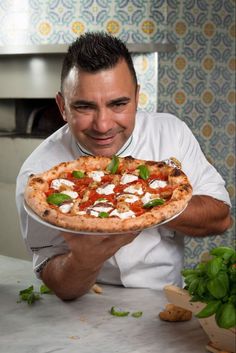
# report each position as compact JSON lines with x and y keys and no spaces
{"x":71,"y":275}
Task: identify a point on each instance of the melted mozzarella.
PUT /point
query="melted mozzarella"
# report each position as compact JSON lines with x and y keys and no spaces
{"x":146,"y":198}
{"x":128,"y":198}
{"x":155,"y":184}
{"x":128,"y":178}
{"x":134,"y":190}
{"x":72,"y":194}
{"x":101,"y":208}
{"x":106,"y":190}
{"x":96,"y":175}
{"x":66,"y":207}
{"x":123,"y":215}
{"x":57,"y":183}
{"x":93,"y":213}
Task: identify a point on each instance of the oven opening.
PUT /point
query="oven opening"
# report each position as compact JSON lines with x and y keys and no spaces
{"x":37,"y":117}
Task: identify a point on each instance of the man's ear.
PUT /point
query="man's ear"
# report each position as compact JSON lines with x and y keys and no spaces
{"x":61,"y":104}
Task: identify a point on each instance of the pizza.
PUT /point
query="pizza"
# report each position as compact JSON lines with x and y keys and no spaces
{"x":109,"y":195}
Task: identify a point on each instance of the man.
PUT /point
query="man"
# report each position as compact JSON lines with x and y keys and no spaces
{"x":98,"y":100}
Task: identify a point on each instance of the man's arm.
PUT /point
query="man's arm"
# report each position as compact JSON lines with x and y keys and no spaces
{"x":203,"y":216}
{"x":71,"y":275}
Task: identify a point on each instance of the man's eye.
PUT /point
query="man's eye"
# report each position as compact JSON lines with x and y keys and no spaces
{"x":83,"y":107}
{"x":120,"y":104}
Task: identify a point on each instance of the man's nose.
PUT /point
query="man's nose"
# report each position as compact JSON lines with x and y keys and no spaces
{"x":102,"y":121}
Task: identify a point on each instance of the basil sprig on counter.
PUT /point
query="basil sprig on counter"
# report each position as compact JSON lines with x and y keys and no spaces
{"x":77,"y":174}
{"x":30,"y":296}
{"x":214,"y":282}
{"x":113,"y":165}
{"x":58,"y":198}
{"x":143,"y":172}
{"x":121,"y":313}
{"x":153,"y":203}
{"x":118,"y":312}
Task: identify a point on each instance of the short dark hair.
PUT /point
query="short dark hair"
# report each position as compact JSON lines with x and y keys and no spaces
{"x":95,"y":51}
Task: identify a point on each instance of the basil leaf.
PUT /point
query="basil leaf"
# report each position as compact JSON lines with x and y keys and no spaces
{"x":27,"y":290}
{"x":188,"y":271}
{"x":113,"y":165}
{"x":209,"y":309}
{"x":222,"y":251}
{"x":153,"y":203}
{"x":29,"y":295}
{"x":201,"y":289}
{"x":78,"y":174}
{"x":193,"y":286}
{"x":57,"y":198}
{"x":143,"y":172}
{"x":214,"y":266}
{"x":217,"y":288}
{"x":137,"y":314}
{"x":118,"y":312}
{"x":45,"y":290}
{"x":226,"y":316}
{"x":33,"y":297}
{"x":103,"y":214}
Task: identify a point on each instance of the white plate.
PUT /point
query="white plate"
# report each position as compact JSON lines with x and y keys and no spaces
{"x":33,"y":215}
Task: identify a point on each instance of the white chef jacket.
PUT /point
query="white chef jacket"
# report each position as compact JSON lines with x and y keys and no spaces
{"x":155,"y":257}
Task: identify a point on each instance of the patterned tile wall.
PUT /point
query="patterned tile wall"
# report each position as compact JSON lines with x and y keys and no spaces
{"x":196,"y":83}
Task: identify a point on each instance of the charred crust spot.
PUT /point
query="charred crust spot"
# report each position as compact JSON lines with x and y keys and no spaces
{"x":176,"y":172}
{"x":31,"y":175}
{"x":38,"y":180}
{"x":150,"y":163}
{"x":185,"y":187}
{"x":46,"y":213}
{"x":161,"y":164}
{"x":128,"y":158}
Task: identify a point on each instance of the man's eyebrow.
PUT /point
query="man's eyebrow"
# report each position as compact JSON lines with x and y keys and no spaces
{"x":120,"y":100}
{"x":83,"y":102}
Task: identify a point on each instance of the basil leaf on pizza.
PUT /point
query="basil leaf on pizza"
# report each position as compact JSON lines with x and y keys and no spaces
{"x":153,"y":203}
{"x":78,"y":174}
{"x":143,"y":172}
{"x":57,"y":199}
{"x":113,"y":165}
{"x":108,"y":195}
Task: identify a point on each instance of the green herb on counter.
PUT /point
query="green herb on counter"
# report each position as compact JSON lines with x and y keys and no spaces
{"x":121,"y":313}
{"x":29,"y":295}
{"x":45,"y":290}
{"x":137,"y":314}
{"x":213,"y":282}
{"x":118,"y":312}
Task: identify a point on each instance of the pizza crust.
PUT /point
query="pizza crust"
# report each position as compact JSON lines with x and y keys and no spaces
{"x":39,"y":184}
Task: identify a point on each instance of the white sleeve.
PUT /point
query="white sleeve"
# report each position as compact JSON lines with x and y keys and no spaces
{"x":42,"y":242}
{"x":203,"y":176}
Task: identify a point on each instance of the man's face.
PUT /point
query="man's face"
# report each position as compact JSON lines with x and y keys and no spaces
{"x":100,"y":107}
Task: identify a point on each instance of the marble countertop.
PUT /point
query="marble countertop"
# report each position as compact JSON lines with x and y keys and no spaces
{"x":85,"y":325}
